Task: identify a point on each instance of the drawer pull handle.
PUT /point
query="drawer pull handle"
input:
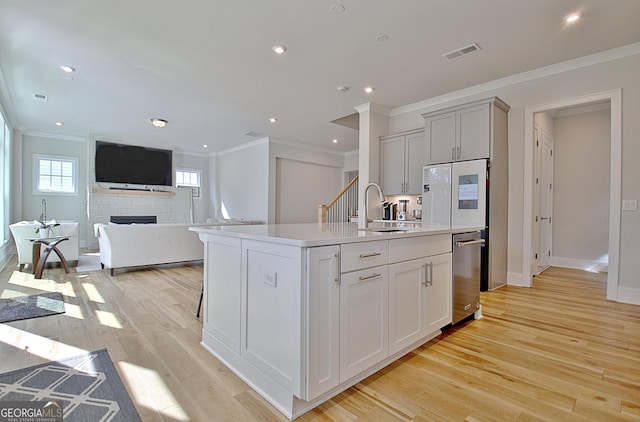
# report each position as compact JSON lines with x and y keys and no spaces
{"x":369,"y":277}
{"x":369,"y":255}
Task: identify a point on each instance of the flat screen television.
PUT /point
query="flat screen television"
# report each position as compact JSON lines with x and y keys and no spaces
{"x":130,"y":164}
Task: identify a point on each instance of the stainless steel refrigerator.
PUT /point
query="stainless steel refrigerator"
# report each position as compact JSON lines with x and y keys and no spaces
{"x":460,"y":194}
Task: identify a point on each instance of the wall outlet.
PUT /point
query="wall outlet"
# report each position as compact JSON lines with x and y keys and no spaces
{"x":270,"y":277}
{"x":629,"y":205}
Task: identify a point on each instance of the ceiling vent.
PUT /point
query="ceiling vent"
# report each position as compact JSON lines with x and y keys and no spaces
{"x":254,"y":134}
{"x":40,"y":97}
{"x":461,"y":51}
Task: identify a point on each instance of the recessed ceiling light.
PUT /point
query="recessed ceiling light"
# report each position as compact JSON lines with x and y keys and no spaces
{"x":273,"y":119}
{"x":206,"y":146}
{"x":342,"y":89}
{"x":369,"y":89}
{"x":335,"y":141}
{"x":572,"y":17}
{"x":382,"y":37}
{"x":279,"y":49}
{"x":59,"y":123}
{"x":67,"y":69}
{"x":158,"y":122}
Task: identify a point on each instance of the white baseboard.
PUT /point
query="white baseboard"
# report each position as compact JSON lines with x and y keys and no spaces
{"x":629,"y":295}
{"x":515,"y":279}
{"x":579,"y":264}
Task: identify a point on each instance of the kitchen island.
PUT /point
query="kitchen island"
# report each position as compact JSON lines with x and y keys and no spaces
{"x":302,"y":312}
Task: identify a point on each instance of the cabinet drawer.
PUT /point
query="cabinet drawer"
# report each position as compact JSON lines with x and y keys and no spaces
{"x":355,"y":256}
{"x":418,"y":247}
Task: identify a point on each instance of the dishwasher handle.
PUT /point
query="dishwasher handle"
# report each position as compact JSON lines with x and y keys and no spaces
{"x":469,"y":242}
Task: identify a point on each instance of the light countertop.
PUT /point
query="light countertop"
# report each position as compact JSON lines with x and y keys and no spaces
{"x":312,"y":234}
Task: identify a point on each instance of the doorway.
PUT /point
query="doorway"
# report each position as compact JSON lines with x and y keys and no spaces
{"x":572,"y":196}
{"x":530,"y":201}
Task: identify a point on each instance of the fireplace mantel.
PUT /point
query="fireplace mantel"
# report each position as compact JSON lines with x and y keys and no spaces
{"x":131,"y":192}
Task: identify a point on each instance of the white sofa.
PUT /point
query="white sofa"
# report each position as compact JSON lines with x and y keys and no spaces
{"x":25,"y":230}
{"x":133,"y":245}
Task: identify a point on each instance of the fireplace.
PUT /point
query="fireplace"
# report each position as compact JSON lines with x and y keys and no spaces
{"x":133,"y":219}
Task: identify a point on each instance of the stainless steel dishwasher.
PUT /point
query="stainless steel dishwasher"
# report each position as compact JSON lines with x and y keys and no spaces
{"x":466,"y":274}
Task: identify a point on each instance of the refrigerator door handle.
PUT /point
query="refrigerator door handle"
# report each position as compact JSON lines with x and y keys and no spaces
{"x":469,"y":242}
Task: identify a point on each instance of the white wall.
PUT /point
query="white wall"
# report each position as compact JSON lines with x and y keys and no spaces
{"x":247,"y":187}
{"x":581,"y":186}
{"x":59,"y":207}
{"x":201,"y":206}
{"x":242,"y":180}
{"x":546,"y":86}
{"x":299,"y":186}
{"x":314,"y":162}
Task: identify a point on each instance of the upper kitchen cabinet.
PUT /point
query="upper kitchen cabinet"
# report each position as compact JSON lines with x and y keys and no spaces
{"x":463,"y":132}
{"x":401,"y":162}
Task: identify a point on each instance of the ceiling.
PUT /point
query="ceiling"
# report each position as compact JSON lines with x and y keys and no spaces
{"x":208,"y":66}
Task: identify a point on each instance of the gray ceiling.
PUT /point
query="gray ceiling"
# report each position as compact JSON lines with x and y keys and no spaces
{"x":208,"y":67}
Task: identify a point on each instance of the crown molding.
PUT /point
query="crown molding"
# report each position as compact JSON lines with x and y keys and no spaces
{"x":566,"y":66}
{"x":306,"y":147}
{"x":374,"y":108}
{"x":241,"y":147}
{"x":54,"y":136}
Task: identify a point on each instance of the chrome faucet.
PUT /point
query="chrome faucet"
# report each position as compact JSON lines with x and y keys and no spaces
{"x":366,"y":200}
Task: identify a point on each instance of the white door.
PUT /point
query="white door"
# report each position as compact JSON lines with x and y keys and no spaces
{"x":546,"y":200}
{"x":535,"y":250}
{"x":469,"y":193}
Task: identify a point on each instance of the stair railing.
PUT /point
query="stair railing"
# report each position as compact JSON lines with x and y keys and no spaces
{"x":342,"y":207}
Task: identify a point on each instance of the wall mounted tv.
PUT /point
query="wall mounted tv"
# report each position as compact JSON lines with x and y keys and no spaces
{"x":118,"y":163}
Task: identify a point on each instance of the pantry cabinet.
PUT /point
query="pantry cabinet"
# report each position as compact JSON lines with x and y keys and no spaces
{"x":401,"y":162}
{"x":462,"y":133}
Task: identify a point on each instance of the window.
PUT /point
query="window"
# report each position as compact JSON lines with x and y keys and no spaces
{"x":189,"y":178}
{"x":55,"y":175}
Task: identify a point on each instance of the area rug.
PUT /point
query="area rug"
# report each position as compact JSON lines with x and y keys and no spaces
{"x":34,"y":306}
{"x":87,"y":387}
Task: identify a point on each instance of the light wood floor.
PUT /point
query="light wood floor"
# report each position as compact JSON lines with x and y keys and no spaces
{"x":558,"y":351}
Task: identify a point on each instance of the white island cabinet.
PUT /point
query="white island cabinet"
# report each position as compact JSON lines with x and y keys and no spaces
{"x":302,"y":312}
